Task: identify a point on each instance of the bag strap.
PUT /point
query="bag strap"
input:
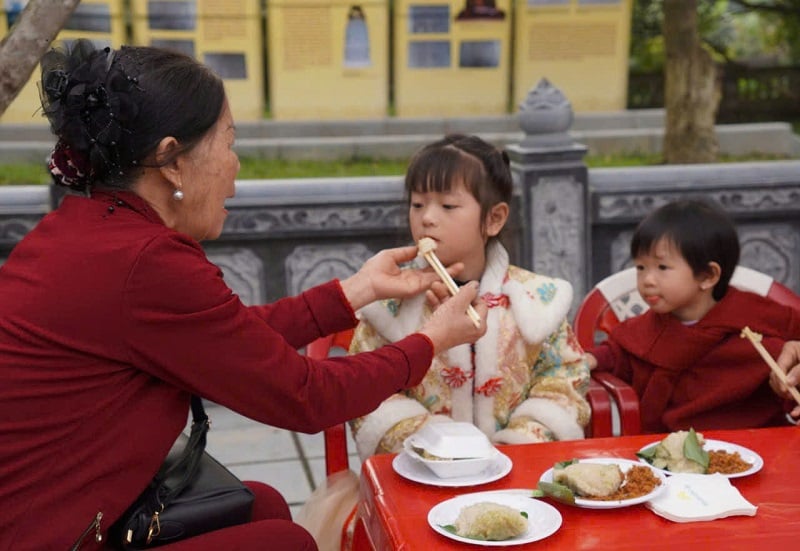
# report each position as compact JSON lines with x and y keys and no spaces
{"x":189,"y":461}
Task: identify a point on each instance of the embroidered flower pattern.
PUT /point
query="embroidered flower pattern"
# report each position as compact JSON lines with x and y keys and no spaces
{"x":549,"y":362}
{"x":490,"y":387}
{"x":572,"y":340}
{"x":455,"y":377}
{"x":493,"y":301}
{"x":547,"y":292}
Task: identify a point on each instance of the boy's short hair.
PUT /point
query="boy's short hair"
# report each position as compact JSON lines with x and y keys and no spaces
{"x":701,"y":231}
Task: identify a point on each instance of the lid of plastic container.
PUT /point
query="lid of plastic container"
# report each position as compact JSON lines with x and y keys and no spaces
{"x":452,"y":440}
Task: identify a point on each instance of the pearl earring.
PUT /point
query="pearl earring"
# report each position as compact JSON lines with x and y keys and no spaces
{"x":177,"y":195}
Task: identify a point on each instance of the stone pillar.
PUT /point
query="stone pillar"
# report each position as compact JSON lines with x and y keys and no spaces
{"x":549,"y":171}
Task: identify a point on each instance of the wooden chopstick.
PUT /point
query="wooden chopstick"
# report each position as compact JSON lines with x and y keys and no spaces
{"x":755,"y":338}
{"x":439,"y":268}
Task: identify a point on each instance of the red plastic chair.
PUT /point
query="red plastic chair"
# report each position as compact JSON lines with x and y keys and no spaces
{"x":615,"y":298}
{"x":336,"y":458}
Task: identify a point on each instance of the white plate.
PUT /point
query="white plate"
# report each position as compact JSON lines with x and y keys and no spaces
{"x":408,"y":467}
{"x":719,"y":445}
{"x":624,"y":465}
{"x":543,"y":518}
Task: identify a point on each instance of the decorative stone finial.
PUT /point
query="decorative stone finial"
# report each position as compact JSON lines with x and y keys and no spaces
{"x":545,"y":116}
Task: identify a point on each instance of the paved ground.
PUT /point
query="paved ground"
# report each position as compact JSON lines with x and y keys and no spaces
{"x":293,"y":463}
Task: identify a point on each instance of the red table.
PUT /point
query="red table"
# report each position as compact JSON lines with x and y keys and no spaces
{"x":394,"y":510}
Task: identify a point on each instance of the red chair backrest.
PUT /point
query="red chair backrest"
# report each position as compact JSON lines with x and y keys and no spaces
{"x":600,"y":310}
{"x":336,"y":458}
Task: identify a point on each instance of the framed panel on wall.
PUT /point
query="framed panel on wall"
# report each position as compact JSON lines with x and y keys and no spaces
{"x":572,"y":43}
{"x":226,"y":35}
{"x":451,"y":57}
{"x":328,"y":59}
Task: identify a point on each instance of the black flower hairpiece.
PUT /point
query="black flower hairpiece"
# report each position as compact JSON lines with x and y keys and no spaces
{"x":55,"y":84}
{"x":88,"y":96}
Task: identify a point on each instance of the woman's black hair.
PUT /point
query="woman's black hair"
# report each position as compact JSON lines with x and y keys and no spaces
{"x":480,"y":166}
{"x":701,"y":231}
{"x":110,"y":109}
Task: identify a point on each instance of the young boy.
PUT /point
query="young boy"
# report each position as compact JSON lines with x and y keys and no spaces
{"x":684,"y":357}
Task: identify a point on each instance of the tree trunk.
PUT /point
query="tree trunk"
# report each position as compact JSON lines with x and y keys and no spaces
{"x":27,"y":41}
{"x":691,"y":88}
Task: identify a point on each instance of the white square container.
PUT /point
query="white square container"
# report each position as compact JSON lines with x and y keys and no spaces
{"x":462,"y":449}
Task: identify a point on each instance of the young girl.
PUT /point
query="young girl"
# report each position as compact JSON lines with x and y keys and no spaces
{"x":525,"y":379}
{"x":685,"y":357}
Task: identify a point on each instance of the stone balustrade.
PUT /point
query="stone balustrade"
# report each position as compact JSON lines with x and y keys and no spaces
{"x":283,"y":236}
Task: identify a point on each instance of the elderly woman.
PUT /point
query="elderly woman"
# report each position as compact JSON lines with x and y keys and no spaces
{"x":111,"y":316}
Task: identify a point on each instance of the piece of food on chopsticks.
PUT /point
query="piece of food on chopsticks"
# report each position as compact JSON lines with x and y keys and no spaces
{"x":488,"y":521}
{"x":684,"y":452}
{"x":426,"y":247}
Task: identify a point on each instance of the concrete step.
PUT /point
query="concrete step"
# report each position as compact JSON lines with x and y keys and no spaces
{"x":628,"y":132}
{"x":640,"y":118}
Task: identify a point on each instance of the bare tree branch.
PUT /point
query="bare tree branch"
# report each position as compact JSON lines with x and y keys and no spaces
{"x":27,"y":41}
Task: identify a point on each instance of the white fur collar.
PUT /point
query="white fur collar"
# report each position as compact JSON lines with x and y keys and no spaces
{"x":539,"y":304}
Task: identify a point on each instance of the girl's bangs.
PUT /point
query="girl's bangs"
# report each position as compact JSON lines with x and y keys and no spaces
{"x":438,"y":171}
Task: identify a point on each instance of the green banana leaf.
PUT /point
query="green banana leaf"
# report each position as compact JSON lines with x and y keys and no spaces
{"x":693,"y":451}
{"x":559,"y":492}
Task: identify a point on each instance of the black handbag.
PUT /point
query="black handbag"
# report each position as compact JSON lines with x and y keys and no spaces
{"x":191,"y":494}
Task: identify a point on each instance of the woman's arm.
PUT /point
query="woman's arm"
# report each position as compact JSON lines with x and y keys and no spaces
{"x":328,"y":310}
{"x":183,"y":325}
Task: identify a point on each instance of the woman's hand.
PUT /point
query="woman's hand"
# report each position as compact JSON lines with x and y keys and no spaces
{"x":789,"y":362}
{"x":450,"y":325}
{"x":381,"y":277}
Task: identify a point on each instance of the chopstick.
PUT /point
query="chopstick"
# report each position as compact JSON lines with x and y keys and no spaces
{"x":426,"y":247}
{"x":755,"y":338}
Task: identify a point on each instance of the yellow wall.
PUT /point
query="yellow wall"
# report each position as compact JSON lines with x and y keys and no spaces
{"x":581,"y":48}
{"x":442,"y":64}
{"x":99,"y":20}
{"x":432,"y":77}
{"x":224,"y":34}
{"x":326,"y":61}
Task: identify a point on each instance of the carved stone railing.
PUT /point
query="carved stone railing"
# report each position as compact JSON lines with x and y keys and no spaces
{"x":283,"y":236}
{"x":763,"y":198}
{"x":21,"y":207}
